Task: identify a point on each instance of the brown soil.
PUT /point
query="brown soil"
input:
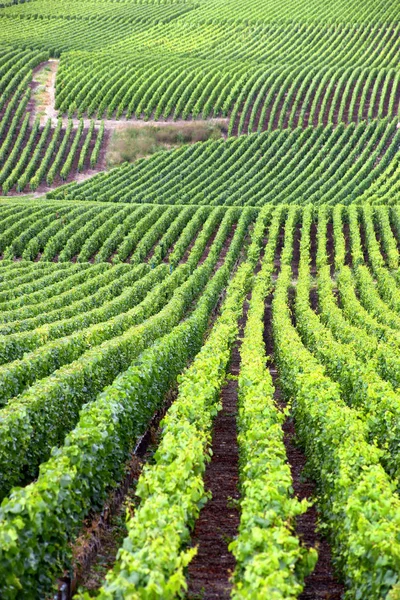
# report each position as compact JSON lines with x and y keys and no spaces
{"x":330,"y":247}
{"x":313,"y":248}
{"x":363,"y":242}
{"x":336,"y":106}
{"x":354,"y":116}
{"x":296,"y":251}
{"x":346,"y":232}
{"x":210,"y":570}
{"x":248,"y":117}
{"x":246,"y":123}
{"x":321,"y":584}
{"x":285,"y":117}
{"x":314,"y":298}
{"x":278,"y":251}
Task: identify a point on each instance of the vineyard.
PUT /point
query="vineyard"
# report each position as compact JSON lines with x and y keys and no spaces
{"x":200,"y":339}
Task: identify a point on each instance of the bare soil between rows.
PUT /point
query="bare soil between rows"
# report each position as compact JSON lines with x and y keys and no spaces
{"x":210,"y":571}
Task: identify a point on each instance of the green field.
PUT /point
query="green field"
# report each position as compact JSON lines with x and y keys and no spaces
{"x":199,"y":300}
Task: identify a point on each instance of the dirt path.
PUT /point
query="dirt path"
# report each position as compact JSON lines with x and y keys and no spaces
{"x":43,"y":86}
{"x":217,"y":525}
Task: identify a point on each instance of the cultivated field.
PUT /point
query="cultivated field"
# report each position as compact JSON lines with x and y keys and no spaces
{"x":199,"y":300}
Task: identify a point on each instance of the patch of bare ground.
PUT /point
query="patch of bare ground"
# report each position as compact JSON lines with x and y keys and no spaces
{"x":377,"y":99}
{"x":247,"y":118}
{"x":130,"y":143}
{"x":357,"y":102}
{"x":347,"y":257}
{"x":278,"y":251}
{"x":172,"y":248}
{"x":314,"y":298}
{"x":227,"y":244}
{"x":363,"y":242}
{"x":43,"y":86}
{"x":296,"y":251}
{"x":210,"y":571}
{"x":313,"y":248}
{"x":336,"y":107}
{"x":330,"y":247}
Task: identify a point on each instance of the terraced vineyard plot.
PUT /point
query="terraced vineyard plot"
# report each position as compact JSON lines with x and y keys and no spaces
{"x":179,"y":60}
{"x":318,"y":165}
{"x":32,"y":154}
{"x":96,"y":233}
{"x":98,"y":320}
{"x":264,"y":77}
